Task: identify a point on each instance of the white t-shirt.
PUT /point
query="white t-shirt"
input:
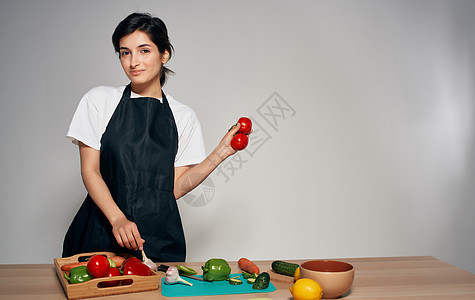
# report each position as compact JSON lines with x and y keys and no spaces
{"x":97,"y":106}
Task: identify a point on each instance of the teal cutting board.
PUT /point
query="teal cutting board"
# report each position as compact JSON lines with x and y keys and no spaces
{"x":205,"y":288}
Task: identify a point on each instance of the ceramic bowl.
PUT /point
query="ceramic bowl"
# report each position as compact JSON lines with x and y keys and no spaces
{"x":335,"y":277}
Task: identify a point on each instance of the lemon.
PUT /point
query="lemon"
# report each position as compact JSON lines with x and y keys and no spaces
{"x":306,"y":289}
{"x":297,"y":274}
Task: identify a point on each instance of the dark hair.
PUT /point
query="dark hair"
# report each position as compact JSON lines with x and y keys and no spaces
{"x":153,"y":27}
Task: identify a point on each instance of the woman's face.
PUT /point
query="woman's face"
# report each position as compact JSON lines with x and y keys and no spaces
{"x":141,"y":59}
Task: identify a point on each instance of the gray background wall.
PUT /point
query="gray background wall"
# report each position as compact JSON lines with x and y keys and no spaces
{"x":363,"y":110}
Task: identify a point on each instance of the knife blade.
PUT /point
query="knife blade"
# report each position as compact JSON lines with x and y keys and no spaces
{"x":193,"y":277}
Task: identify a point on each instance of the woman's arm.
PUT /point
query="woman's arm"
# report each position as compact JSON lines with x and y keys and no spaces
{"x":125,"y":231}
{"x":187,"y":178}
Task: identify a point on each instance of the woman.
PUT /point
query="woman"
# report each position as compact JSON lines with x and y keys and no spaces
{"x":140,"y":150}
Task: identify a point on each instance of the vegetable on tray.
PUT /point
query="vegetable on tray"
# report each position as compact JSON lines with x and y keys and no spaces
{"x":73,"y":265}
{"x":98,"y":265}
{"x":113,"y":272}
{"x":78,"y":275}
{"x":136,"y":267}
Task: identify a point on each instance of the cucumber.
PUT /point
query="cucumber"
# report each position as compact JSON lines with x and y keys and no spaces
{"x":235,"y":281}
{"x":284,"y":268}
{"x":262,"y":281}
{"x":247,"y":275}
{"x":251,"y":280}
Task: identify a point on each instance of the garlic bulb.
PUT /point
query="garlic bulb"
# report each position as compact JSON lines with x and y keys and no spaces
{"x":148,"y":262}
{"x":172,"y":276}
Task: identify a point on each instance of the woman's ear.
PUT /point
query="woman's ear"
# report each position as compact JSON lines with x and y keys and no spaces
{"x":165,"y":56}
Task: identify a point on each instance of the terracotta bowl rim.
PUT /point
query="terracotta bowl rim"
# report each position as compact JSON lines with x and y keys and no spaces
{"x":328,"y":260}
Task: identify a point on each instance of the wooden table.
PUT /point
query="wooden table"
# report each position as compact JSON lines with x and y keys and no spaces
{"x":420,"y":277}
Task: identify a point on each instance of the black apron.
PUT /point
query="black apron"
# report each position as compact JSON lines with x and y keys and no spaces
{"x":138,"y":150}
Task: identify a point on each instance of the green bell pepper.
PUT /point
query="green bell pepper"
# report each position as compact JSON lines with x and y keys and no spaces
{"x":216,"y":269}
{"x":78,"y":275}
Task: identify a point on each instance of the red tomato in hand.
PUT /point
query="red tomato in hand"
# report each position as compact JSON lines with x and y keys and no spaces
{"x":246,"y":125}
{"x":239,"y":141}
{"x":111,"y":273}
{"x":98,"y":265}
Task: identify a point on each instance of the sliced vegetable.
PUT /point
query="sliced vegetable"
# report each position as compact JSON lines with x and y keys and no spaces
{"x":248,"y":266}
{"x":262,"y":281}
{"x":186,"y":270}
{"x":251,"y":280}
{"x":235,"y":281}
{"x":284,"y":268}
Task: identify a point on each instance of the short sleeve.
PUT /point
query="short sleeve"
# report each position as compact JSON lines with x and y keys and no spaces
{"x":85,"y":125}
{"x":191,"y":148}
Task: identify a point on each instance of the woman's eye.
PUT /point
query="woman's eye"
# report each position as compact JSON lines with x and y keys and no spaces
{"x":124,"y":53}
{"x":145,"y":51}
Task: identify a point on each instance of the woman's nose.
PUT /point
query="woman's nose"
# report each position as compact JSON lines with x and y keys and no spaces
{"x":134,"y":61}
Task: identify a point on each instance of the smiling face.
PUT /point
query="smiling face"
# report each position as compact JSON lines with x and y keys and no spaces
{"x":141,"y":61}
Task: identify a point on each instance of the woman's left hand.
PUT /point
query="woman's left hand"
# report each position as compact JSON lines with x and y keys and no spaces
{"x":189,"y":178}
{"x":224,"y":149}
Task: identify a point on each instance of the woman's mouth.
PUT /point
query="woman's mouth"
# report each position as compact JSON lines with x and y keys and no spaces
{"x":136,"y":72}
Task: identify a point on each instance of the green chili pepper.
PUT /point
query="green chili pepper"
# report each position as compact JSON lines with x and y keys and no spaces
{"x":216,"y":269}
{"x":78,"y":275}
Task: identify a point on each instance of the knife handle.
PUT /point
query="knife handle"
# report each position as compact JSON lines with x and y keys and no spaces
{"x":162,"y":268}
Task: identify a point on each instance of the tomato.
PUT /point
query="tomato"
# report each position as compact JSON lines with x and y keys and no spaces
{"x":111,"y":273}
{"x":137,"y":268}
{"x":128,"y":260}
{"x":98,"y":265}
{"x":239,"y":141}
{"x":246,"y":125}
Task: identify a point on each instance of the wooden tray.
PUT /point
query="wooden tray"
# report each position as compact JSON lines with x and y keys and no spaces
{"x":92,"y":287}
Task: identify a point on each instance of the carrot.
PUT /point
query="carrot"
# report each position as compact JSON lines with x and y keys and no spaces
{"x":248,"y":266}
{"x":118,"y":260}
{"x":73,"y":265}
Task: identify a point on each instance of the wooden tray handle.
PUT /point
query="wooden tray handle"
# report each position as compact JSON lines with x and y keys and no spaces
{"x":76,"y":257}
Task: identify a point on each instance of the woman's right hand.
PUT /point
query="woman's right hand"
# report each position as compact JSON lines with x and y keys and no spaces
{"x":127,"y":234}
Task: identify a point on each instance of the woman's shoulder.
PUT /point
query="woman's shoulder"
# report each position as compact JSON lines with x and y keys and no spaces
{"x":104,"y":92}
{"x":180,"y":111}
